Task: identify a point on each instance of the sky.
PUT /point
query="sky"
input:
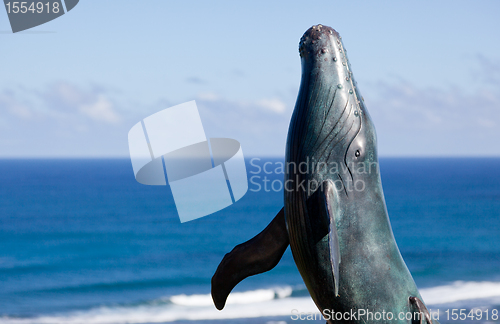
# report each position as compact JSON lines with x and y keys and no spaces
{"x":429,"y":73}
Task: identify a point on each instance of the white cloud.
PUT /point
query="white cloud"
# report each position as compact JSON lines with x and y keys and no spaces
{"x":61,"y":101}
{"x":67,"y":120}
{"x":62,"y":120}
{"x":434,"y":121}
{"x":260,"y":125}
{"x":9,"y":103}
{"x":68,"y":93}
{"x":432,"y":108}
{"x":208,"y":96}
{"x":275,"y":105}
{"x":100,"y":110}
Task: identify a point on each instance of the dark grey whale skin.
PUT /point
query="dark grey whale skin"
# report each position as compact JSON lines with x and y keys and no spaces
{"x":332,"y":176}
{"x":331,"y":124}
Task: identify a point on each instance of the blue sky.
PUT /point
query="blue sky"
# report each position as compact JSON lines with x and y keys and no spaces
{"x":73,"y":87}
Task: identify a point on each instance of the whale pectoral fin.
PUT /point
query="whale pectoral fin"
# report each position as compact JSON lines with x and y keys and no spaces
{"x":260,"y":254}
{"x":332,"y":207}
{"x":324,"y":203}
{"x":423,"y":316}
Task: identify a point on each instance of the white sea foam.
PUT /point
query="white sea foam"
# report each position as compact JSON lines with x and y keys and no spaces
{"x":459,"y":291}
{"x":250,"y":304}
{"x":248,"y":297}
{"x":170,"y":313}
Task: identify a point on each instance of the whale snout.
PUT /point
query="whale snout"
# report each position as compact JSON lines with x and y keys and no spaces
{"x":317,"y":40}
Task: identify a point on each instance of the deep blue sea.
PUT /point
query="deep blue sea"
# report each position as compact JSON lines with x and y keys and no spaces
{"x":82,"y":242}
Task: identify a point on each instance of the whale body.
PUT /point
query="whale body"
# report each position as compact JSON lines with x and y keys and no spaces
{"x":334,"y":218}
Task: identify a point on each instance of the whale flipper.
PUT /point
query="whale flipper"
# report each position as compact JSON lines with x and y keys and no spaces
{"x":259,"y":254}
{"x":332,"y":207}
{"x":323,"y":209}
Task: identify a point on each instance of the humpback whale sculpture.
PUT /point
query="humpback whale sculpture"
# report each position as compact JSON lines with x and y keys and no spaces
{"x":334,"y":219}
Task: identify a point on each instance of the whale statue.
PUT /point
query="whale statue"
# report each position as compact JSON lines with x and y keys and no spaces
{"x":334,"y":216}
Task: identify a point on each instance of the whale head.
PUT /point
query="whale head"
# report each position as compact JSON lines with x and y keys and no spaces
{"x":330,"y":123}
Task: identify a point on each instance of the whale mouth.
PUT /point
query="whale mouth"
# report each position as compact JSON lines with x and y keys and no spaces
{"x":318,"y":39}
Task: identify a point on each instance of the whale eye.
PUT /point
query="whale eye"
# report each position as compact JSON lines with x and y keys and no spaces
{"x":357,"y":153}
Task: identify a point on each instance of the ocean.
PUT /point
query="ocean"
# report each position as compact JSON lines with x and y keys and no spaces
{"x":82,"y":242}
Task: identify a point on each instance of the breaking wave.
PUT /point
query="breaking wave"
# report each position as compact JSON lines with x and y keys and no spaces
{"x":250,"y":304}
